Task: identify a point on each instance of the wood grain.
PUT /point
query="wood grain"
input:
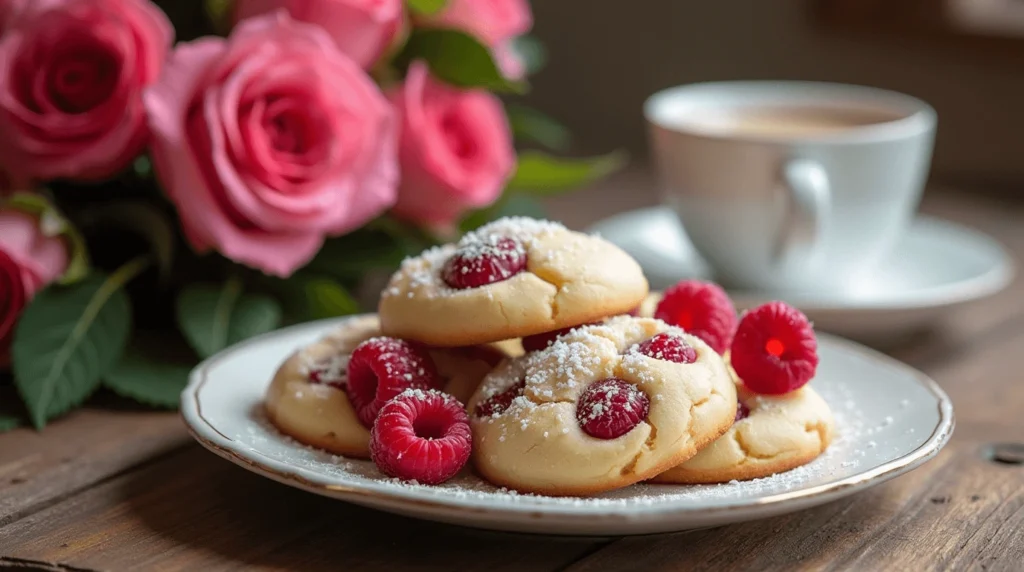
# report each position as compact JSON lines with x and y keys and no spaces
{"x":947,"y":512}
{"x":86,"y":447}
{"x":195,"y":511}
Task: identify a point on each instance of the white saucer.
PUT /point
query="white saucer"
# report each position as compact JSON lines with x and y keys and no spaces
{"x":889,"y":420}
{"x":936,"y":267}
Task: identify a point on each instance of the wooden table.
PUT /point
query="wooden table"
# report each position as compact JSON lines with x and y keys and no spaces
{"x":112,"y":487}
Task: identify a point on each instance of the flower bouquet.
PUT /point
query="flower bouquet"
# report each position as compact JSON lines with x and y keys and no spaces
{"x":178,"y":176}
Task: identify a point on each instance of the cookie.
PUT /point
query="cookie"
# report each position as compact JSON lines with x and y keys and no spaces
{"x":773,"y":434}
{"x":595,"y":412}
{"x":512,"y":278}
{"x":307,"y":401}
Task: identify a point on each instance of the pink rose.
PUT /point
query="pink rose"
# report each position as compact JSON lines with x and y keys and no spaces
{"x":269,"y":141}
{"x":71,"y":78}
{"x":363,"y":29}
{"x":491,"y":21}
{"x":8,"y":10}
{"x":455,"y":149}
{"x":29,"y":260}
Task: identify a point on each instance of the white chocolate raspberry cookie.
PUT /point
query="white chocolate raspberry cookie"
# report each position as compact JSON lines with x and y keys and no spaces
{"x":508,"y":279}
{"x":308,"y":399}
{"x":602,"y":407}
{"x":772,"y":434}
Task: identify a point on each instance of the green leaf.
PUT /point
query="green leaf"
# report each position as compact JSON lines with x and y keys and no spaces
{"x":350,"y":257}
{"x":219,"y":13}
{"x":213,"y":318}
{"x":143,"y":376}
{"x":508,"y":205}
{"x":531,"y":125}
{"x":532,"y":51}
{"x":53,"y":223}
{"x":143,"y":219}
{"x":542,"y":174}
{"x":426,"y":7}
{"x":9,"y":422}
{"x":459,"y":59}
{"x":68,"y":338}
{"x":327,"y":299}
{"x":142,"y":167}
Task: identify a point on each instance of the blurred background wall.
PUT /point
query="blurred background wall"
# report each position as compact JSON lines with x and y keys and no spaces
{"x":606,"y":56}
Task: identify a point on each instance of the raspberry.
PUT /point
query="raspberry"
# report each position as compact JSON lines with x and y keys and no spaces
{"x":421,"y":435}
{"x":381,"y":368}
{"x":538,"y":342}
{"x":775,"y":350}
{"x":742,"y":412}
{"x":498,"y":403}
{"x":668,"y":347}
{"x":484,"y":262}
{"x":610,"y":408}
{"x":702,"y":309}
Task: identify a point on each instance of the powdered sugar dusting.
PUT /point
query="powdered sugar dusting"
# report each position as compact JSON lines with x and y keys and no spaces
{"x":523,"y":228}
{"x":331,"y":371}
{"x":423,"y":272}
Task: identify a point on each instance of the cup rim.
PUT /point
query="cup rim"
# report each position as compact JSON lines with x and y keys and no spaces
{"x":917,"y":116}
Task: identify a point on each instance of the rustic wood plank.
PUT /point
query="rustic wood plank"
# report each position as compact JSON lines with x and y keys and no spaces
{"x":195,"y":511}
{"x":945,"y":515}
{"x":73,"y":453}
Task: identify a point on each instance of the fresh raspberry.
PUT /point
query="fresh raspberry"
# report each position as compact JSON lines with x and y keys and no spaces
{"x":702,"y":309}
{"x":381,"y":368}
{"x":422,"y":436}
{"x":668,"y":347}
{"x":775,"y":350}
{"x":610,"y":408}
{"x":742,"y":412}
{"x":498,"y":403}
{"x":538,"y":342}
{"x":484,"y":262}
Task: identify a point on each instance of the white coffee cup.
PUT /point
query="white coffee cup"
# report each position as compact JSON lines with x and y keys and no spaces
{"x":785,"y":185}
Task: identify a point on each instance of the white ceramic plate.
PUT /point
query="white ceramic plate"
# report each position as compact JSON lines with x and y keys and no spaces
{"x":936,"y":267}
{"x":890,"y":419}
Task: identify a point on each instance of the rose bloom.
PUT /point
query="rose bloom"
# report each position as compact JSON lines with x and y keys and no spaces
{"x":493,"y":22}
{"x":363,"y":29}
{"x":8,"y":10}
{"x":455,"y":149}
{"x":29,"y":261}
{"x":269,"y":141}
{"x":71,"y":77}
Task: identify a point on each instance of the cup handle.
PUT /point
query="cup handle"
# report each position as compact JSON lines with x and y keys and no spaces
{"x":807,"y":200}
